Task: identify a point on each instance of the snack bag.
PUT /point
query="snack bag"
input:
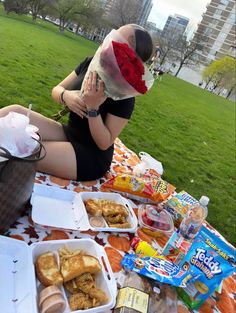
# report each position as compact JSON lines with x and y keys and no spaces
{"x":157,"y":268}
{"x":139,"y":294}
{"x":144,"y":189}
{"x":209,"y":260}
{"x":178,"y":206}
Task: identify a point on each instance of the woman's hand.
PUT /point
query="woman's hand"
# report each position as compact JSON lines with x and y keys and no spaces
{"x":93,"y":93}
{"x":75,"y":102}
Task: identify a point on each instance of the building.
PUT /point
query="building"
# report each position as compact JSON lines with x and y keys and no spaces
{"x":218,"y":31}
{"x":176,"y":25}
{"x":152,"y":29}
{"x":145,"y":9}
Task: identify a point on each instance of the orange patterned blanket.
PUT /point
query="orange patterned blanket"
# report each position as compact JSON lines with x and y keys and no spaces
{"x":115,"y":246}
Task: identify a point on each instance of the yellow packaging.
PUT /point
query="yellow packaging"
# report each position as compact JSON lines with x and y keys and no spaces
{"x":144,"y":249}
{"x":146,"y":189}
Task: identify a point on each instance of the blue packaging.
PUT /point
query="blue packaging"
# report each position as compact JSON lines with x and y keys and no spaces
{"x":209,"y":260}
{"x":157,"y":268}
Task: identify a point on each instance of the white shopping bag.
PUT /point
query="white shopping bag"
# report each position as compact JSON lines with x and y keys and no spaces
{"x":147,"y":162}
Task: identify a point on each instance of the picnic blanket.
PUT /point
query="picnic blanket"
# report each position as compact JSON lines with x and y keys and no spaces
{"x":123,"y":161}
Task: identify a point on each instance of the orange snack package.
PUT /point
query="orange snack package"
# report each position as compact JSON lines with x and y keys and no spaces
{"x":145,"y":189}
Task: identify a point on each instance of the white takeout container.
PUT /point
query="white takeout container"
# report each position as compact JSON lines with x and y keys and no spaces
{"x":59,"y":208}
{"x":19,"y":285}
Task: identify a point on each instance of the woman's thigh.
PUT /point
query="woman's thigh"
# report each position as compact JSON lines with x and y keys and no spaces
{"x":59,"y":161}
{"x":49,"y":129}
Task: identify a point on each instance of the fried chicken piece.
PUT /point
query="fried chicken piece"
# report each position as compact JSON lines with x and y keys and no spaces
{"x":93,"y":207}
{"x":114,"y":209}
{"x":80,"y":301}
{"x":98,"y":294}
{"x":71,"y":286}
{"x":95,"y":302}
{"x":115,"y":218}
{"x":120,"y":225}
{"x":85,"y":282}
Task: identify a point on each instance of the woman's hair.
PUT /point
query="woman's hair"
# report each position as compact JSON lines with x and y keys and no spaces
{"x":144,"y":44}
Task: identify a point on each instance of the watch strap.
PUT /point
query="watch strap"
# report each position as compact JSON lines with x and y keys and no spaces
{"x":93,"y":113}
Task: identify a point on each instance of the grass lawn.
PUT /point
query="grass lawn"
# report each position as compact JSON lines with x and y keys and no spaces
{"x":188,"y":129}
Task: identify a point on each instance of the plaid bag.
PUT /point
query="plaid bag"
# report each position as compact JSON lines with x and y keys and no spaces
{"x":16,"y":184}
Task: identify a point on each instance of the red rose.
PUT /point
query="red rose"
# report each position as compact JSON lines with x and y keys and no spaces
{"x":130,"y":66}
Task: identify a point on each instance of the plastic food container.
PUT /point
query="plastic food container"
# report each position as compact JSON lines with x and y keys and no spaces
{"x":53,"y":207}
{"x":155,"y":221}
{"x":19,"y":286}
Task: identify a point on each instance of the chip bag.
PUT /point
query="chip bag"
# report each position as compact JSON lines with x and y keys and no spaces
{"x":144,"y":189}
{"x":209,"y":260}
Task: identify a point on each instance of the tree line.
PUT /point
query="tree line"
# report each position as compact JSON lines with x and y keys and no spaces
{"x":85,"y":13}
{"x":90,"y":15}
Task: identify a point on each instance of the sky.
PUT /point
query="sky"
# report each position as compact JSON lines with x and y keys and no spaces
{"x":191,"y":9}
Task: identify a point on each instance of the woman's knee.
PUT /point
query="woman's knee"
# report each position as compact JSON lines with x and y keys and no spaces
{"x":13,"y":108}
{"x":16,"y":108}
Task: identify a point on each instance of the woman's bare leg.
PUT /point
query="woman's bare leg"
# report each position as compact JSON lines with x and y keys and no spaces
{"x":60,"y":160}
{"x":49,"y":129}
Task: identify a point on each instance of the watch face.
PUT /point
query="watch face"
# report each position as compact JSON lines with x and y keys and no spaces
{"x":93,"y":113}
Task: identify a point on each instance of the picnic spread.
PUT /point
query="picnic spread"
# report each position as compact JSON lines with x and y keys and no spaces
{"x":121,"y":244}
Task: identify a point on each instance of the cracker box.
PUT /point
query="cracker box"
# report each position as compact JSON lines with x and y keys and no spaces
{"x":178,"y":206}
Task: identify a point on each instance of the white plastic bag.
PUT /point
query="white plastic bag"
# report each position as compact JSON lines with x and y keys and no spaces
{"x":16,"y":134}
{"x":147,"y":162}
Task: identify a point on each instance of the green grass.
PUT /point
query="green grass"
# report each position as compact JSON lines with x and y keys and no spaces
{"x":188,"y":129}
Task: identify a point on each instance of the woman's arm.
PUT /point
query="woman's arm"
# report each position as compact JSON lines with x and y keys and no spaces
{"x":71,"y":98}
{"x":103,"y":134}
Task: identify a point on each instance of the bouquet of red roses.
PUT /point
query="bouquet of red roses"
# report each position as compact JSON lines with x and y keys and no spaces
{"x":131,"y":67}
{"x":122,"y":71}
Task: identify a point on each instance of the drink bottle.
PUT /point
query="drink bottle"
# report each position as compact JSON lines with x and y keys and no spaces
{"x":143,"y":248}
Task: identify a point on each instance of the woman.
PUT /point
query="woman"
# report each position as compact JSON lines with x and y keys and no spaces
{"x":83,"y":149}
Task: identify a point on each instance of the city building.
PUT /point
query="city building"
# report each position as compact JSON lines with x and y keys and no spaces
{"x":145,"y":9}
{"x":152,"y":29}
{"x":176,"y":25}
{"x":216,"y":32}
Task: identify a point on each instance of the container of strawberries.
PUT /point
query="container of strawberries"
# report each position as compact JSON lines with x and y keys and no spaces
{"x":155,"y":221}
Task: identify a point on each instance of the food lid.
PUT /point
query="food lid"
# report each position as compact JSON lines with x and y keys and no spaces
{"x":156,"y":219}
{"x":17,"y":283}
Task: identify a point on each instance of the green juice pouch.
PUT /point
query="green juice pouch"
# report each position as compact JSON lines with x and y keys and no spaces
{"x":209,"y":260}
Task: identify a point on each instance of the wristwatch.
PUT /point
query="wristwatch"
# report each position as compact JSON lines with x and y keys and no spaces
{"x":93,"y":113}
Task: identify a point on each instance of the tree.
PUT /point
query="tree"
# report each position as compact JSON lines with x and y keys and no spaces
{"x":17,"y":6}
{"x":63,"y":10}
{"x":88,"y":13}
{"x":186,"y":50}
{"x":222,"y":74}
{"x":36,"y":6}
{"x":167,"y":45}
{"x":124,"y":12}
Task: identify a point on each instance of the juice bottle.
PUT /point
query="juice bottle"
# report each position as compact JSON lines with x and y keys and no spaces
{"x":143,"y":248}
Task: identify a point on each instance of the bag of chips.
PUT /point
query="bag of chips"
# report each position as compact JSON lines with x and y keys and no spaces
{"x":145,"y":189}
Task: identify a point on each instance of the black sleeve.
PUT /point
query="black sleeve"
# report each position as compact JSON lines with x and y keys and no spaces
{"x":122,"y":108}
{"x":83,"y":66}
